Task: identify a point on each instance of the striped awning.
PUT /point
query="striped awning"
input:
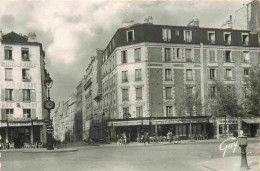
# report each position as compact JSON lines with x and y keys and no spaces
{"x":252,"y":121}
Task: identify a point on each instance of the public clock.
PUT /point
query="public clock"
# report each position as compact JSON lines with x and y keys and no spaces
{"x":49,"y":104}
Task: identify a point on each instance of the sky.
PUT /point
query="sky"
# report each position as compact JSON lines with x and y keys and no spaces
{"x":72,"y":30}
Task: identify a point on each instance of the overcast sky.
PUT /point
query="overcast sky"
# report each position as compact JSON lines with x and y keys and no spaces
{"x":72,"y":30}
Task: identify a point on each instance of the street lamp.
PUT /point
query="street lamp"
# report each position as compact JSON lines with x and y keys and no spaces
{"x":49,"y":105}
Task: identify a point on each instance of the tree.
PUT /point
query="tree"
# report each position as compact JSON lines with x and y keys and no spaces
{"x":252,"y":92}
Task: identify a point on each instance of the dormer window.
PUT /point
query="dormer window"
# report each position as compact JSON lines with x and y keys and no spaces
{"x":211,"y":37}
{"x":187,"y":35}
{"x":227,"y":37}
{"x":245,"y":38}
{"x":166,"y":34}
{"x":130,"y":36}
{"x":177,"y":32}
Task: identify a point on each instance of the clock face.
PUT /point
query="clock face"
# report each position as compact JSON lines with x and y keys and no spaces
{"x":49,"y":105}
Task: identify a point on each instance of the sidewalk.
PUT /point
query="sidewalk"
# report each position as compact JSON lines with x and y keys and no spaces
{"x":40,"y":150}
{"x":232,"y":163}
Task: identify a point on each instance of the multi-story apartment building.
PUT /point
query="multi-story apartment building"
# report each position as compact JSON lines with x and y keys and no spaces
{"x":91,"y":100}
{"x":22,"y":71}
{"x":147,"y":68}
{"x":78,"y":115}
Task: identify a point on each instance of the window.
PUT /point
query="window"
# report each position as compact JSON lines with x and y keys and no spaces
{"x":168,"y":92}
{"x":25,"y":54}
{"x":227,"y":37}
{"x":178,"y":53}
{"x":124,"y":56}
{"x":139,"y":112}
{"x":8,"y":74}
{"x":124,"y":76}
{"x":187,"y":35}
{"x":246,"y":72}
{"x":211,"y":37}
{"x":168,"y":110}
{"x":246,"y":92}
{"x":212,"y":93}
{"x":177,"y":32}
{"x":168,"y":74}
{"x":125,"y":94}
{"x":138,"y":93}
{"x":212,"y":56}
{"x":227,"y":56}
{"x":126,"y":112}
{"x":188,"y":55}
{"x":189,"y":74}
{"x":212,"y":74}
{"x":26,"y":75}
{"x":246,"y":57}
{"x":245,"y":38}
{"x":27,"y":113}
{"x":228,"y":74}
{"x":130,"y":35}
{"x":167,"y":54}
{"x":9,"y":95}
{"x":8,"y":53}
{"x":26,"y":95}
{"x":137,"y":54}
{"x":138,"y":75}
{"x":166,"y":34}
{"x":9,"y":111}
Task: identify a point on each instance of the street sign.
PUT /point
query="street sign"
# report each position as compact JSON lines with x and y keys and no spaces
{"x":49,"y":129}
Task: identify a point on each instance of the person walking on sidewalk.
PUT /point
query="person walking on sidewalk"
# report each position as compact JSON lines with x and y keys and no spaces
{"x":145,"y":137}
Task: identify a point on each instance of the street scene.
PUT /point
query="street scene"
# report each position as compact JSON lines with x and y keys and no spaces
{"x":130,"y":85}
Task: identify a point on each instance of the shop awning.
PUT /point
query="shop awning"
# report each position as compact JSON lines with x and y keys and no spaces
{"x":252,"y":121}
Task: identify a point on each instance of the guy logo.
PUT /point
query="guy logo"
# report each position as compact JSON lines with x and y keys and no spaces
{"x":224,"y":147}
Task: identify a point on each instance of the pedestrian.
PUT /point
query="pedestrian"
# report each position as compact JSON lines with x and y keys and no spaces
{"x":145,"y":137}
{"x":171,"y":137}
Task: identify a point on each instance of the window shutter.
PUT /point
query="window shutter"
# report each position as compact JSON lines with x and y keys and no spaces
{"x":3,"y":114}
{"x":208,"y":74}
{"x":20,"y":95}
{"x":224,"y":56}
{"x":33,"y":96}
{"x":232,"y":57}
{"x":33,"y":113}
{"x":225,"y":74}
{"x":3,"y":95}
{"x":173,"y":53}
{"x":169,"y":35}
{"x":13,"y":95}
{"x":242,"y":57}
{"x":6,"y":53}
{"x":164,"y":34}
{"x":217,"y":73}
{"x":234,"y":73}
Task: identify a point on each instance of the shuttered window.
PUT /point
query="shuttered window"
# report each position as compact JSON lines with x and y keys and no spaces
{"x":139,"y":112}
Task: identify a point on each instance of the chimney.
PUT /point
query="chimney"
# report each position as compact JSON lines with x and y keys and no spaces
{"x":194,"y":23}
{"x":32,"y":37}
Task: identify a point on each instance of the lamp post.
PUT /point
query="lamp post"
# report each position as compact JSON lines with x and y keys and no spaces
{"x":242,"y":140}
{"x":49,"y":105}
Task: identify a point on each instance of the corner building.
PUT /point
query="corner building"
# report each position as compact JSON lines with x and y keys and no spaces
{"x":22,"y":71}
{"x":147,"y":68}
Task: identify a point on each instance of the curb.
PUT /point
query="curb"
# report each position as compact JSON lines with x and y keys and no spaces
{"x":50,"y":151}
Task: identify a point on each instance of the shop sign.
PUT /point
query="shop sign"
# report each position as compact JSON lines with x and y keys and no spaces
{"x":20,"y":85}
{"x":3,"y":124}
{"x":19,"y":124}
{"x":228,"y":121}
{"x":17,"y":64}
{"x":7,"y":105}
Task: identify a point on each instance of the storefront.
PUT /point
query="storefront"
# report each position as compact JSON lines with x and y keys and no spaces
{"x":250,"y":126}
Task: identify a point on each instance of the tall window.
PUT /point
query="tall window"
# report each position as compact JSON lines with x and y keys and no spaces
{"x":168,"y":92}
{"x":227,"y":37}
{"x":245,"y":38}
{"x":125,"y":94}
{"x":189,"y":74}
{"x":26,"y":75}
{"x":139,"y":93}
{"x":167,"y":54}
{"x":168,"y":74}
{"x":188,"y":55}
{"x":9,"y":111}
{"x":9,"y":95}
{"x":228,"y":74}
{"x":26,"y":95}
{"x":168,"y":110}
{"x":27,"y":113}
{"x":124,"y":56}
{"x":212,"y":92}
{"x":139,"y":112}
{"x":228,"y":56}
{"x":166,"y":34}
{"x":212,"y":74}
{"x":211,"y":37}
{"x":212,"y":56}
{"x":178,"y":53}
{"x":8,"y":74}
{"x":25,"y":54}
{"x":130,"y":35}
{"x":187,"y":35}
{"x":8,"y":53}
{"x":138,"y":75}
{"x":137,"y":54}
{"x":124,"y":76}
{"x":246,"y":72}
{"x":246,"y":57}
{"x":125,"y":111}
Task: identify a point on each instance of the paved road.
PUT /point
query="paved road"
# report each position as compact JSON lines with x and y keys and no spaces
{"x":119,"y":158}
